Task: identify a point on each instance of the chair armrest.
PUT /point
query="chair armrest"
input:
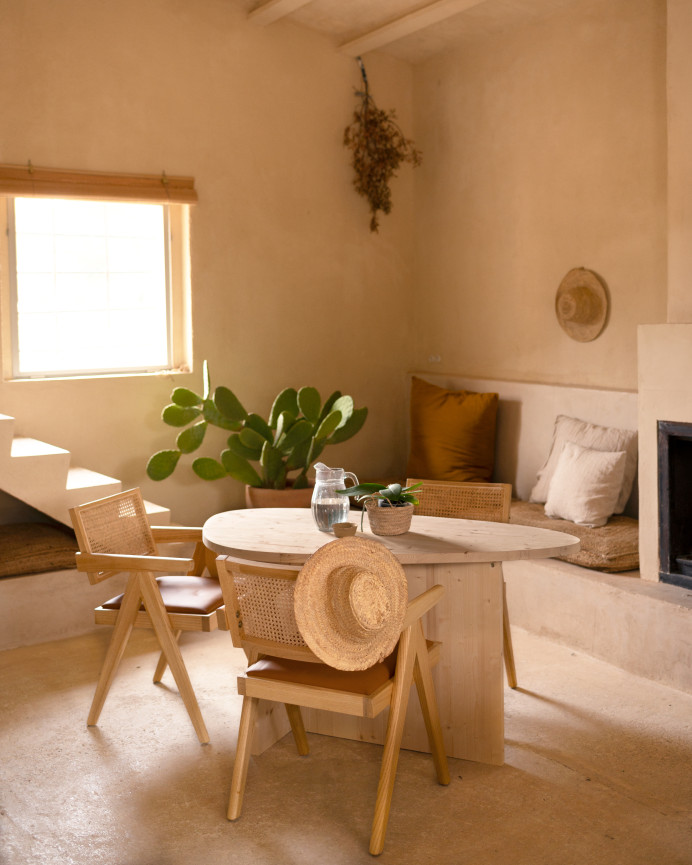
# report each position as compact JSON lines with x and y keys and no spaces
{"x":176,"y":534}
{"x":420,"y":605}
{"x":116,"y":562}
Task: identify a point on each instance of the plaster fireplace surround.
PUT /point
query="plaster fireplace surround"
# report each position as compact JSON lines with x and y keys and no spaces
{"x":665,"y":394}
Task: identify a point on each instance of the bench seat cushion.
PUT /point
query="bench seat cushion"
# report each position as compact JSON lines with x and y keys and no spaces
{"x":36,"y":548}
{"x":611,"y":548}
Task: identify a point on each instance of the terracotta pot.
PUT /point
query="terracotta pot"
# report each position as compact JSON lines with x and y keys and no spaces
{"x":389,"y":521}
{"x":259,"y":497}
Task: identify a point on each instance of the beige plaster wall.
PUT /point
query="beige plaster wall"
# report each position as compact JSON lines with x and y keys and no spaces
{"x":679,"y":80}
{"x":283,"y":263}
{"x":544,"y":149}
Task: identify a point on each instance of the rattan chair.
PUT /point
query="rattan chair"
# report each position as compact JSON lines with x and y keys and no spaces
{"x":114,"y":536}
{"x":472,"y":501}
{"x":260,"y":616}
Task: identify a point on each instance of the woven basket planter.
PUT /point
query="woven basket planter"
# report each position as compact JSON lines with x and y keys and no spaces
{"x":389,"y":521}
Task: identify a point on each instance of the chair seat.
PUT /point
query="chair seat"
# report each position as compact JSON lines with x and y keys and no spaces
{"x":197,"y":595}
{"x":323,"y":676}
{"x":363,"y":682}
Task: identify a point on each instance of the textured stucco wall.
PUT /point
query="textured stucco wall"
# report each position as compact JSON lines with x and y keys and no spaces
{"x":289,"y":285}
{"x":545,"y":149}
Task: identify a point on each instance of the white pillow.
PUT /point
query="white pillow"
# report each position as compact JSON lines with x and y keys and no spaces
{"x":588,"y":435}
{"x":585,"y":485}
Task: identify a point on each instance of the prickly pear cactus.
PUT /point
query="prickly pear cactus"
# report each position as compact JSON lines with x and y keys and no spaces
{"x":258,"y":452}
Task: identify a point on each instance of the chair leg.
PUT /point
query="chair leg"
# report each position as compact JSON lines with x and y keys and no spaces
{"x":162,"y":664}
{"x":297,"y":728}
{"x":242,"y":756}
{"x":395,"y":727}
{"x":507,"y":649}
{"x":159,"y":619}
{"x":116,"y":647}
{"x":428,"y":703}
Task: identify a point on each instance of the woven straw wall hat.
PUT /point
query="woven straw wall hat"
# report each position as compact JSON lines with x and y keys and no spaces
{"x":350,"y":601}
{"x":581,"y":304}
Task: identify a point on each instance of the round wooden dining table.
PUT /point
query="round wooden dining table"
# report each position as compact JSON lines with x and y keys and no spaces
{"x":464,"y":556}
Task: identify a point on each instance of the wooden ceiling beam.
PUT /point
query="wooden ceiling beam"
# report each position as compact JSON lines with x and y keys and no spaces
{"x":271,"y":11}
{"x":407,"y":24}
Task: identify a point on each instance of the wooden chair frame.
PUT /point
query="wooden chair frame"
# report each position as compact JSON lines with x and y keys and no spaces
{"x":142,"y":590}
{"x":478,"y":501}
{"x":415,"y":659}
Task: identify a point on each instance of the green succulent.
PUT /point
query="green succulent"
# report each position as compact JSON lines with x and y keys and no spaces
{"x":289,"y":441}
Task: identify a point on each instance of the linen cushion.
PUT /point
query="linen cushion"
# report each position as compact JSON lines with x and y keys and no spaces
{"x":611,"y":548}
{"x":35,"y":548}
{"x":586,"y":485}
{"x":452,"y":433}
{"x":591,"y":436}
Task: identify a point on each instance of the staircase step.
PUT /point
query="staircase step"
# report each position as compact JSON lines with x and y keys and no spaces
{"x":34,"y":470}
{"x":6,"y":436}
{"x":83,"y":485}
{"x":158,"y":515}
{"x":39,"y":474}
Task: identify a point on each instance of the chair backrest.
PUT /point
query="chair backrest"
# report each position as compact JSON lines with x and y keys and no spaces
{"x":115,"y":524}
{"x":461,"y":500}
{"x":258,"y":598}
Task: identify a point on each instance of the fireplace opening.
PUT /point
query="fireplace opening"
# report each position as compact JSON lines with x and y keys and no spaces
{"x":675,"y":502}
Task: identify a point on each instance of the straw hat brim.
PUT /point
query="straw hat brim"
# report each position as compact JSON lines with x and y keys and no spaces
{"x":581,"y":304}
{"x":350,"y":600}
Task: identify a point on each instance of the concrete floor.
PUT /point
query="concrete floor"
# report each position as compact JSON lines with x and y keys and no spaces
{"x":598,"y":772}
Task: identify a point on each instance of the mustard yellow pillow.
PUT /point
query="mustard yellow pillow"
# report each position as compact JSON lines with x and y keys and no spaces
{"x":452,"y":433}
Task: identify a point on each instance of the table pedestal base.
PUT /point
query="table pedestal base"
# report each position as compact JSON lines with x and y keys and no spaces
{"x":468,"y":678}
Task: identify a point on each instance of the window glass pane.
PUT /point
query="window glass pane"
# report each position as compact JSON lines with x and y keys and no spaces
{"x":36,"y":291}
{"x":35,"y":253}
{"x":79,"y":218}
{"x":91,"y":285}
{"x":79,"y":254}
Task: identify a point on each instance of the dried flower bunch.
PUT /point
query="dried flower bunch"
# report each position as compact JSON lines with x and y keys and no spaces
{"x":379,"y":147}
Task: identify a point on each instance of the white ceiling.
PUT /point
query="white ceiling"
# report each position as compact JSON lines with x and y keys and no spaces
{"x":412,"y":30}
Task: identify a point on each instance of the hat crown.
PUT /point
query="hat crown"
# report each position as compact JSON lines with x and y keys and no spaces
{"x":369,"y":601}
{"x":350,"y":601}
{"x":578,"y":305}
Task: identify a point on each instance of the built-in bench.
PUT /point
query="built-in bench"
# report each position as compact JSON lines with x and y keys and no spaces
{"x":645,"y":628}
{"x":42,"y":595}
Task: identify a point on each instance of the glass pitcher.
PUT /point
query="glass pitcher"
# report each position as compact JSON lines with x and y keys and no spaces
{"x":327,"y":507}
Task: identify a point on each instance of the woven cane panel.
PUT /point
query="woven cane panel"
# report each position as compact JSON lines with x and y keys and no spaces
{"x":118,"y":525}
{"x":481,"y":502}
{"x":266,"y":608}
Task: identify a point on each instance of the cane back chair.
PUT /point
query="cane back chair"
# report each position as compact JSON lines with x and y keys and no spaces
{"x":472,"y":501}
{"x":282,"y":668}
{"x":114,"y":535}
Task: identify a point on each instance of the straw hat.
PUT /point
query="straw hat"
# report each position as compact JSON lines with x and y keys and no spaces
{"x":581,"y":304}
{"x":350,"y":600}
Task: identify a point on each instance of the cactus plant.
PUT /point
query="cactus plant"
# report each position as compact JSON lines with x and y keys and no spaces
{"x":289,"y":441}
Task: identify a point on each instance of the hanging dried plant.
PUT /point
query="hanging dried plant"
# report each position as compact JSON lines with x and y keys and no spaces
{"x":379,"y":147}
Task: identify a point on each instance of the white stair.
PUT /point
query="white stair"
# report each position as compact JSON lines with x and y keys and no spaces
{"x":40,"y":475}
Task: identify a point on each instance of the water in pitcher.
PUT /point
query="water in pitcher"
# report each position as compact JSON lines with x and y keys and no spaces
{"x":326,"y":512}
{"x":328,"y":507}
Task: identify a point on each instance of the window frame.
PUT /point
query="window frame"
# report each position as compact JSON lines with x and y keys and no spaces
{"x":176,"y":193}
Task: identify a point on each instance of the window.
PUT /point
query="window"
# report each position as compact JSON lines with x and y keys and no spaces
{"x":94,"y":285}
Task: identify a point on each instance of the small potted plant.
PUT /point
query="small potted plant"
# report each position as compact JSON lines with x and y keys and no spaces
{"x":389,"y":506}
{"x":283,"y":447}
